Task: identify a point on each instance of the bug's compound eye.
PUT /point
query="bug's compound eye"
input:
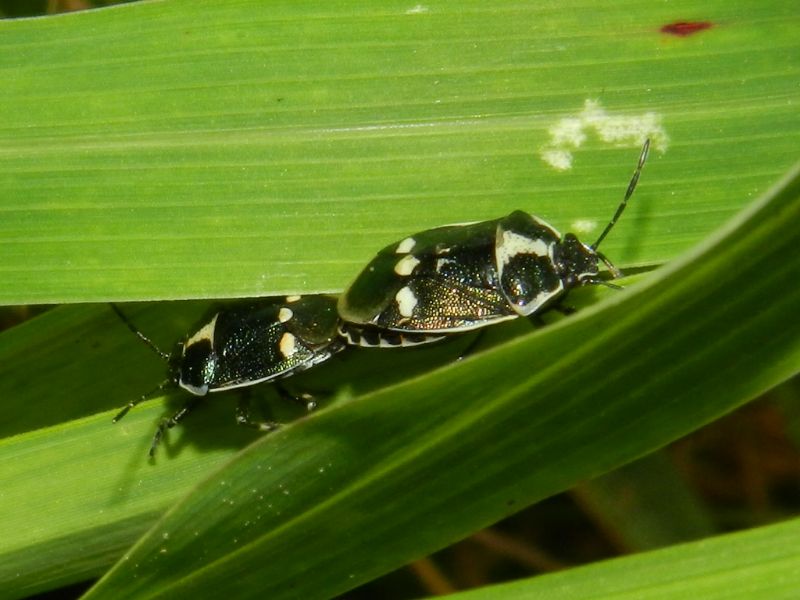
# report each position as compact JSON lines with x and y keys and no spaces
{"x":576,"y":262}
{"x":198,"y":367}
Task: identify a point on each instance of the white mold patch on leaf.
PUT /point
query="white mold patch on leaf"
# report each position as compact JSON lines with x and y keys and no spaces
{"x":582,"y":226}
{"x":419,"y":9}
{"x":570,"y":133}
{"x":560,"y":159}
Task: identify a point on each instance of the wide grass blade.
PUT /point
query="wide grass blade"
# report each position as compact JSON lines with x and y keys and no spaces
{"x":369,"y":485}
{"x":179,"y":149}
{"x":761,"y":563}
{"x":183,"y":149}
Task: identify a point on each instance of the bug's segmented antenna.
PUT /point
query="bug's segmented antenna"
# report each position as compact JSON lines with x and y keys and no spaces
{"x":164,"y":356}
{"x":628,"y":194}
{"x":150,"y":344}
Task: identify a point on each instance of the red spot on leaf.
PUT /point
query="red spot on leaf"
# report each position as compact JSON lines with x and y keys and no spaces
{"x":684,"y":28}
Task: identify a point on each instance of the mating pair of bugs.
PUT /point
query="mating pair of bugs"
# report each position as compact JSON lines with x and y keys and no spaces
{"x":429,"y":286}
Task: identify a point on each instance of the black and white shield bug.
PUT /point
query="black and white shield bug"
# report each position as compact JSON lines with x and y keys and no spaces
{"x":245,"y":344}
{"x":462,"y":277}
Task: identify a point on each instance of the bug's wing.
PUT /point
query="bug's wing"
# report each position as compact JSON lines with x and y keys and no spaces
{"x":312,"y":318}
{"x":253,"y":346}
{"x":442,"y":304}
{"x":442,"y":279}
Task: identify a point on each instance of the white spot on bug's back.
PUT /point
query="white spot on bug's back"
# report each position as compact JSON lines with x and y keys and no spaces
{"x":406,"y":301}
{"x":287,"y":345}
{"x":284,"y":314}
{"x":291,"y":299}
{"x":406,"y":265}
{"x":514,"y":244}
{"x":406,"y":246}
{"x":443,"y":262}
{"x":570,"y":133}
{"x":206,"y":332}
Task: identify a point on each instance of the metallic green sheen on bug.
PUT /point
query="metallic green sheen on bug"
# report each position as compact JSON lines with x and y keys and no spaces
{"x":244,"y":344}
{"x":258,"y":341}
{"x":462,"y":277}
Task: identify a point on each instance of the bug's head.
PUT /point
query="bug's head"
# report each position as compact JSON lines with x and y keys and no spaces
{"x":198,"y":362}
{"x":196,"y":366}
{"x":579,"y":263}
{"x":576,"y":262}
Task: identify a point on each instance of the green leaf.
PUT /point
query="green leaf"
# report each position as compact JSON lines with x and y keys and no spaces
{"x":149,"y":155}
{"x":59,"y":370}
{"x":761,"y":563}
{"x":76,"y":495}
{"x":406,"y":471}
{"x":186,"y":150}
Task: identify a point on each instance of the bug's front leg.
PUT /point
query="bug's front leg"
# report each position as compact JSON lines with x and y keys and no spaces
{"x":169,"y":423}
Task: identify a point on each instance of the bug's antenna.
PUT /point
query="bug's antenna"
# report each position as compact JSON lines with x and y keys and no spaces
{"x":139,"y":334}
{"x":628,"y":194}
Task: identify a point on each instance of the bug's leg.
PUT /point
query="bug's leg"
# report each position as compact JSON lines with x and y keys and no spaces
{"x":243,"y":416}
{"x":565,"y":310}
{"x":169,"y":423}
{"x":536,"y":320}
{"x":132,"y":403}
{"x":305,"y":399}
{"x":472,"y":345}
{"x":613,"y":286}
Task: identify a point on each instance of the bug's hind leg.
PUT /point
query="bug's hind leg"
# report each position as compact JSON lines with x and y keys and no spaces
{"x":244,"y":418}
{"x":472,"y":345}
{"x":536,"y":320}
{"x":305,"y":399}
